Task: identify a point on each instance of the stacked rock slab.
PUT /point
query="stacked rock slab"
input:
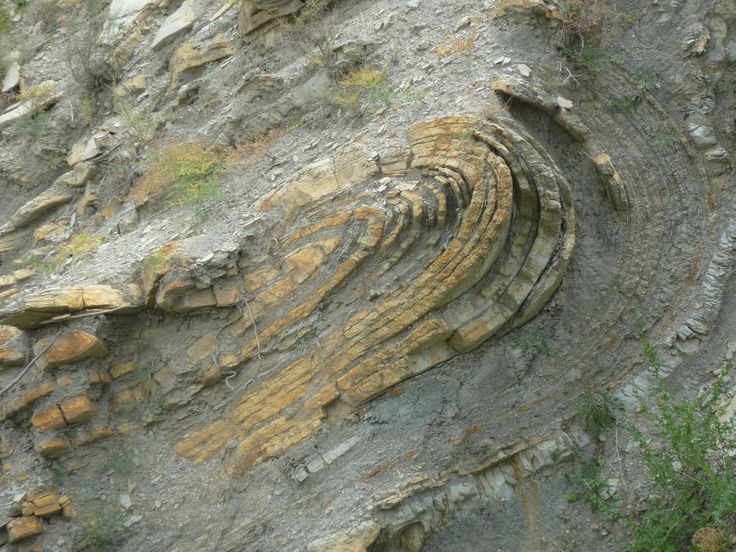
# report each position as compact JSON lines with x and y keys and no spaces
{"x":467,"y":240}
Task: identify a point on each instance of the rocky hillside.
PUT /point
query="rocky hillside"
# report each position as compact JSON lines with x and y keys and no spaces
{"x":359,"y":276}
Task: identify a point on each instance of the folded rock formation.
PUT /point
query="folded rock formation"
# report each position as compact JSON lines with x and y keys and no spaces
{"x":391,"y":266}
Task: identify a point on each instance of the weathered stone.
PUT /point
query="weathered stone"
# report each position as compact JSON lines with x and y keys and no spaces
{"x":43,"y":504}
{"x":227,"y":293}
{"x":175,"y":25}
{"x":50,"y":231}
{"x":357,"y":540}
{"x":72,"y":346}
{"x":94,"y":435}
{"x":189,"y":58}
{"x":79,"y":409}
{"x":131,"y":86}
{"x":57,"y":194}
{"x":79,"y":176}
{"x":258,"y":18}
{"x":11,"y":81}
{"x":30,"y":107}
{"x":22,"y":528}
{"x":48,"y":420}
{"x":14,"y":346}
{"x":51,"y":448}
{"x":28,"y":398}
{"x":203,"y":348}
{"x":30,"y":310}
{"x":122,"y":368}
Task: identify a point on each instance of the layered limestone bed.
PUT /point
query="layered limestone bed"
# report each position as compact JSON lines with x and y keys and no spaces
{"x":377,"y":338}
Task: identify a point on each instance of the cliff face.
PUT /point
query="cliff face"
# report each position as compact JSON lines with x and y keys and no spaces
{"x":283,"y":276}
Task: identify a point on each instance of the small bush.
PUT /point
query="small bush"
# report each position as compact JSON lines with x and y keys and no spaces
{"x":139,"y":123}
{"x":187,"y":172}
{"x":596,"y":413}
{"x":90,"y":61}
{"x":5,"y":21}
{"x":691,"y":471}
{"x":102,"y":528}
{"x":588,"y":60}
{"x":586,"y":18}
{"x":366,"y":89}
{"x":314,"y":33}
{"x":34,"y":126}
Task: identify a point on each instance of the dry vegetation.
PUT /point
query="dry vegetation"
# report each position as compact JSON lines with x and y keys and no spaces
{"x":185,"y":172}
{"x":455,"y":46}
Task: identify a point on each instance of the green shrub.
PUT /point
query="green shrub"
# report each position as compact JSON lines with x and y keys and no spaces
{"x":596,"y":413}
{"x":690,"y":469}
{"x":5,"y":21}
{"x":102,"y":528}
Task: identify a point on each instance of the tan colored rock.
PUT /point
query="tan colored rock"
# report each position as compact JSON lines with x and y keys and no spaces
{"x":43,"y":504}
{"x":57,"y":194}
{"x":52,"y":448}
{"x":227,"y":293}
{"x":203,"y":348}
{"x":122,"y":368}
{"x":79,"y":176}
{"x":189,"y":58}
{"x":131,"y":86}
{"x":425,"y":316}
{"x":94,"y":435}
{"x":50,"y":231}
{"x":72,"y":346}
{"x":357,"y":540}
{"x":79,"y":409}
{"x":23,"y":528}
{"x":259,"y":18}
{"x":100,"y":378}
{"x":28,"y":398}
{"x":30,"y":310}
{"x":14,"y":347}
{"x":75,"y":154}
{"x":23,"y":274}
{"x":48,"y":420}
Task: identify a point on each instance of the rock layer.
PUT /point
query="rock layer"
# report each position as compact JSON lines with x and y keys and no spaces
{"x":390,"y":269}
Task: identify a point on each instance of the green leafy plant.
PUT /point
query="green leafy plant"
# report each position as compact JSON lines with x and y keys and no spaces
{"x":366,"y":89}
{"x":589,"y":60}
{"x":185,"y":172}
{"x":597,"y":413}
{"x":102,"y":528}
{"x":592,"y":489}
{"x":690,"y":469}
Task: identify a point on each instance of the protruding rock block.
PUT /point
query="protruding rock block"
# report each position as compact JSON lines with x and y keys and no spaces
{"x":122,"y":368}
{"x":258,"y":18}
{"x":43,"y":504}
{"x":14,"y":346}
{"x":79,"y":409}
{"x":28,"y":398}
{"x":22,"y":528}
{"x":48,"y":420}
{"x":189,"y":58}
{"x":72,"y":346}
{"x":29,"y":311}
{"x":52,"y":448}
{"x":175,"y":25}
